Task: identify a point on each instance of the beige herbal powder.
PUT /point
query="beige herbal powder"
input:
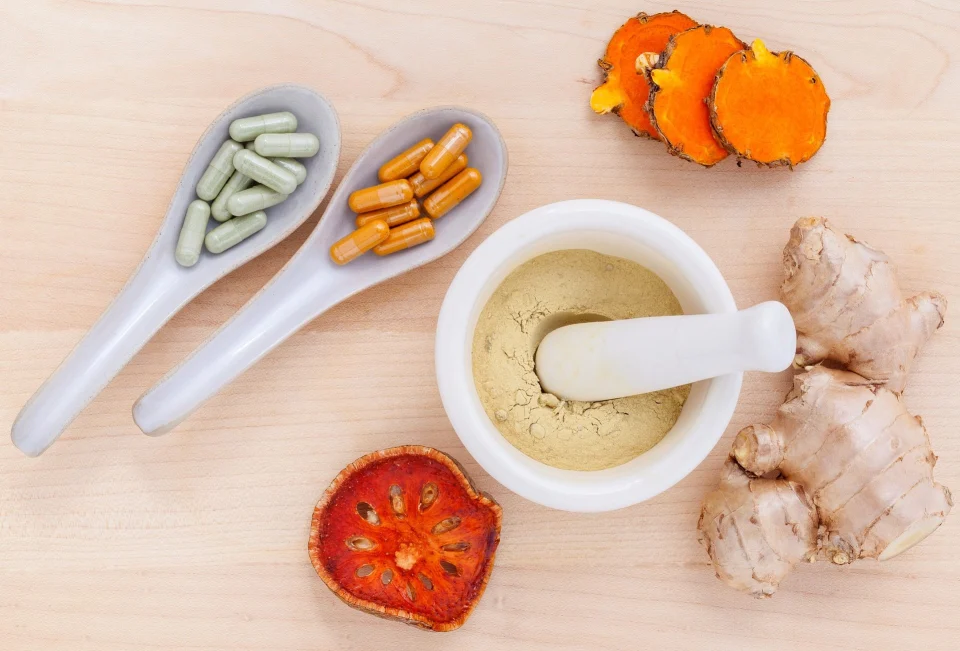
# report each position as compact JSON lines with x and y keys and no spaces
{"x":547,"y":292}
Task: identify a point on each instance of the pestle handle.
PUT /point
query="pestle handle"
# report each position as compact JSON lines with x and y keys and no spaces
{"x":612,"y":359}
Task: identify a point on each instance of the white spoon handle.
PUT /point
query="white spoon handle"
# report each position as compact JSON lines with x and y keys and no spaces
{"x":612,"y":359}
{"x":266,"y":321}
{"x":141,"y":308}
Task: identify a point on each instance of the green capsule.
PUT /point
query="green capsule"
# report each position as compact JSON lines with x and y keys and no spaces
{"x":259,"y":197}
{"x":264,"y":172}
{"x":218,"y":171}
{"x":247,"y":129}
{"x":236,"y":230}
{"x":288,"y":145}
{"x":192,"y":232}
{"x":239,"y":181}
{"x":295,"y":167}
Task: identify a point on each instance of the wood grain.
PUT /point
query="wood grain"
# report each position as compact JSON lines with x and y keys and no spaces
{"x":197,"y":540}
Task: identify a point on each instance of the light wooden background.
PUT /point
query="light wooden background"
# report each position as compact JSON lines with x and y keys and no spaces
{"x":112,"y":540}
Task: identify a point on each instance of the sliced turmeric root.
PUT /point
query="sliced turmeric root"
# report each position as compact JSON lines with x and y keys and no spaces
{"x":625,"y":90}
{"x":769,"y":107}
{"x":682,"y":82}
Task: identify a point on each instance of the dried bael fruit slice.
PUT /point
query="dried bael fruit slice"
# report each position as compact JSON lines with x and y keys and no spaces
{"x":404,"y":534}
{"x":682,"y":82}
{"x":769,"y":107}
{"x":625,"y":89}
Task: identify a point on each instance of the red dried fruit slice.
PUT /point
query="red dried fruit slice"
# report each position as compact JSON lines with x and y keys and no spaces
{"x":404,"y":534}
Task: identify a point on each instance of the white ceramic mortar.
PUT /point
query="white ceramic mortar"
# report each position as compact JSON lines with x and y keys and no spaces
{"x":610,"y":228}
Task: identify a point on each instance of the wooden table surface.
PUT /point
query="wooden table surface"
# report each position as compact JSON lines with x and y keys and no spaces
{"x":112,"y":540}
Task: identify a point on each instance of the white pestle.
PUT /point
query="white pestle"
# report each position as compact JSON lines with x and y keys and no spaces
{"x":612,"y":359}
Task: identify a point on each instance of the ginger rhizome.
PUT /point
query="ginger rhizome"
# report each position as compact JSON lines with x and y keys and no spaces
{"x":769,"y":107}
{"x":864,"y":460}
{"x":843,"y":471}
{"x":756,"y":530}
{"x":682,"y":80}
{"x":625,"y":89}
{"x":847,"y":446}
{"x":848,"y":308}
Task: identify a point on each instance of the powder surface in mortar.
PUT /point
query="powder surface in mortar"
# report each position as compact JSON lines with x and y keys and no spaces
{"x":547,"y":292}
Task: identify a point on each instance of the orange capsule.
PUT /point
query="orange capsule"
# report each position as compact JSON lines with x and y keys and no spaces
{"x":403,"y":237}
{"x":446,"y":151}
{"x":423,"y":187}
{"x":359,"y":241}
{"x":394,"y":216}
{"x":452,"y":192}
{"x":406,"y":163}
{"x":380,"y":196}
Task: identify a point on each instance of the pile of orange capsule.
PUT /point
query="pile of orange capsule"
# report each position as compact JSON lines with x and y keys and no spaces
{"x":428,"y":177}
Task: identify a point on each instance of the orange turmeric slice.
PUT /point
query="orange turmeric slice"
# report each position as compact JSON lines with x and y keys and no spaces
{"x":769,"y":107}
{"x":682,"y":82}
{"x":625,"y":90}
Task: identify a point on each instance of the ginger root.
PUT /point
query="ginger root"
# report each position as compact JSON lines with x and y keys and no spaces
{"x":682,"y":80}
{"x":843,"y":444}
{"x":769,"y":107}
{"x":865,"y":463}
{"x":847,"y":305}
{"x":756,"y":530}
{"x":625,"y":89}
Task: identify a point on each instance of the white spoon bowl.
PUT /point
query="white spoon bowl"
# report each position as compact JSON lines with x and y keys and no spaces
{"x":310,"y":284}
{"x":160,"y":287}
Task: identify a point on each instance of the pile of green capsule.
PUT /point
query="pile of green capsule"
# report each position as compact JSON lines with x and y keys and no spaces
{"x":268,"y":159}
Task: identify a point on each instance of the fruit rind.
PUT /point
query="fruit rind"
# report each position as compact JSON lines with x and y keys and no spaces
{"x":387,"y":612}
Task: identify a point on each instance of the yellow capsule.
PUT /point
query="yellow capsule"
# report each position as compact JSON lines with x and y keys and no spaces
{"x":452,"y":192}
{"x":423,"y":186}
{"x":446,"y":151}
{"x":403,"y":237}
{"x":359,"y":241}
{"x":391,"y":193}
{"x":394,"y":215}
{"x":406,"y":163}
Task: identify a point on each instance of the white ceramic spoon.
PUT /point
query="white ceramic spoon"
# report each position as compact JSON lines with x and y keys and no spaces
{"x":612,"y":359}
{"x":310,"y":284}
{"x":159,"y":288}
